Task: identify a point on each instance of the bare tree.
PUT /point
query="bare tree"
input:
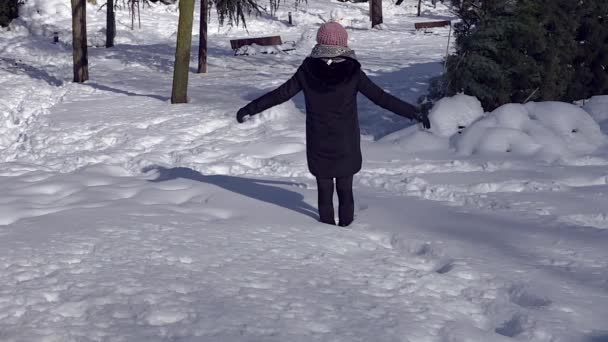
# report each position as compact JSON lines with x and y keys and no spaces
{"x":110,"y":24}
{"x":375,"y":12}
{"x":79,"y":41}
{"x":182,"y":52}
{"x":234,"y":11}
{"x":202,"y":47}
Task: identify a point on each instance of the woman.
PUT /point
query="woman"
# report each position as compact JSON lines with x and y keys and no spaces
{"x":331,"y":78}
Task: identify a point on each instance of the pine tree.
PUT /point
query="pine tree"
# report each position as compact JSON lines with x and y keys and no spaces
{"x":8,"y":11}
{"x":560,"y":20}
{"x":521,"y":50}
{"x":591,"y":61}
{"x":484,"y":65}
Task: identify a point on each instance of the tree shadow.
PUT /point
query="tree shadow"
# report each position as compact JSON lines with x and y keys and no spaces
{"x":31,"y":71}
{"x":598,"y":337}
{"x":259,"y":189}
{"x":124,"y":92}
{"x":157,"y":57}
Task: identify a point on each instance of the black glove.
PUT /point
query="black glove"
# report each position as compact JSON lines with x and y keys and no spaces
{"x":424,"y":119}
{"x":240,"y":115}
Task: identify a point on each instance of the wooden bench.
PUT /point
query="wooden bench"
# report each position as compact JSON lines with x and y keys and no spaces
{"x":276,"y":41}
{"x":432,"y":24}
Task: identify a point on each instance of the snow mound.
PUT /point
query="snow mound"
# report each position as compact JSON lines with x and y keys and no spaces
{"x":41,"y":16}
{"x":414,"y":139}
{"x":547,"y":129}
{"x":45,"y":9}
{"x":597,"y":107}
{"x":451,"y":114}
{"x":576,"y":127}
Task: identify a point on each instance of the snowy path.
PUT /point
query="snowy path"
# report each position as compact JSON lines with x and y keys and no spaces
{"x":125,"y":218}
{"x":191,"y":257}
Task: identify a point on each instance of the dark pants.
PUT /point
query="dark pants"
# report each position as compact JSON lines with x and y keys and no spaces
{"x":346,"y":207}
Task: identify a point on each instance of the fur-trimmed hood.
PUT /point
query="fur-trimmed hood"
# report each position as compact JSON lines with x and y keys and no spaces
{"x":323,"y":75}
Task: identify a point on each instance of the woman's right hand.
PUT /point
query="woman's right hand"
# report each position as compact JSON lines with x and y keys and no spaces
{"x":423,"y":119}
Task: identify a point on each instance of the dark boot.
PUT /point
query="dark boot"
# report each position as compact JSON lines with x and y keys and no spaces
{"x":346,"y":208}
{"x":325,"y":190}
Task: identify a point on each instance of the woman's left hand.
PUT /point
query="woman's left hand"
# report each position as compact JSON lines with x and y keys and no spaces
{"x":240,"y":115}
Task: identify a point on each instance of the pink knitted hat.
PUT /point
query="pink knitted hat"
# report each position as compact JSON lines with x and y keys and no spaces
{"x":332,"y":33}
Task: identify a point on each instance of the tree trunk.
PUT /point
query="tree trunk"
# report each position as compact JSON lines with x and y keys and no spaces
{"x":79,"y":40}
{"x":110,"y":24}
{"x":182,"y":52}
{"x":375,"y":9}
{"x":133,"y":15}
{"x":202,"y":47}
{"x":419,"y":7}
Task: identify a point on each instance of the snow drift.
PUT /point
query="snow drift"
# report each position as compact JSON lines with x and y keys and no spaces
{"x":548,"y":130}
{"x":452,"y":114}
{"x":597,"y":106}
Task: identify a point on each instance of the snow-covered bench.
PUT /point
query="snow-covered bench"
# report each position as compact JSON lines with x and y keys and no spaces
{"x":266,"y":45}
{"x":432,"y":24}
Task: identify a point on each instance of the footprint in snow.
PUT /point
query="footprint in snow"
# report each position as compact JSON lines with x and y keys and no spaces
{"x":521,"y":296}
{"x":446,"y":267}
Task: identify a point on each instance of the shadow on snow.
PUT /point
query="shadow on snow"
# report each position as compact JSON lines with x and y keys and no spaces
{"x":259,"y":189}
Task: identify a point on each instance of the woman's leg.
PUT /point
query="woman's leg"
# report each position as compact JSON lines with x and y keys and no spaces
{"x":346,"y":208}
{"x":325,"y":190}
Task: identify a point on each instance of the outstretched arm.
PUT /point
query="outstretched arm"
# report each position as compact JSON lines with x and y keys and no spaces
{"x":283,"y":93}
{"x":384,"y":99}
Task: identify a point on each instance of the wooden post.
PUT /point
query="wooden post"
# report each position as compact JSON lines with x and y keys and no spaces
{"x":447,"y":51}
{"x":110,"y":24}
{"x":419,"y":7}
{"x":179,"y":93}
{"x":79,"y":41}
{"x":375,"y":9}
{"x":202,"y":47}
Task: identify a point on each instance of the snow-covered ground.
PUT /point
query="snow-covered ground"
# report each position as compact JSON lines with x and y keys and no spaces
{"x":126,"y":218}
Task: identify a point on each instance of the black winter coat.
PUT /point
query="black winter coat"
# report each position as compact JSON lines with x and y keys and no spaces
{"x":332,"y":124}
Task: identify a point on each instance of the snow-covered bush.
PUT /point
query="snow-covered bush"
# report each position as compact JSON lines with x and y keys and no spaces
{"x":598,"y":108}
{"x":572,"y":124}
{"x":498,"y":139}
{"x":452,"y":114}
{"x":255,"y":49}
{"x":41,"y":16}
{"x":547,"y":129}
{"x":413,"y":139}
